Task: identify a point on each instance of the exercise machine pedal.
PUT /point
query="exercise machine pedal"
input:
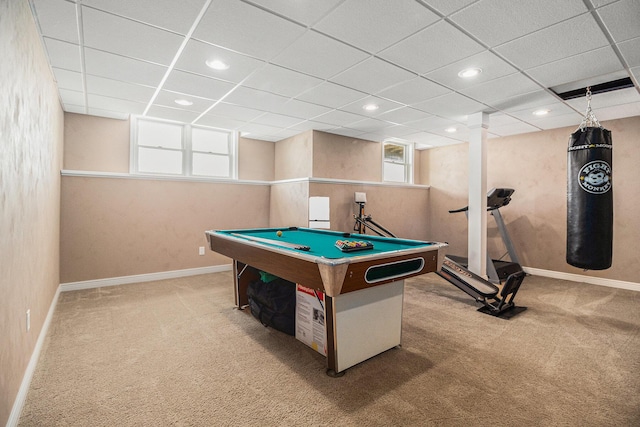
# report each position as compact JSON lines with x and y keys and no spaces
{"x":495,"y":301}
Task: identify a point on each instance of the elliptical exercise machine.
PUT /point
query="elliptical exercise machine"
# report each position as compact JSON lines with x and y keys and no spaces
{"x":495,"y":301}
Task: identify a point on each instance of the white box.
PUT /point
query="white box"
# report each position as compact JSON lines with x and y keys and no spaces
{"x":310,"y":317}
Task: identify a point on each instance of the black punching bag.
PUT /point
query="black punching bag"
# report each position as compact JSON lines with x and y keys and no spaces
{"x":590,"y":199}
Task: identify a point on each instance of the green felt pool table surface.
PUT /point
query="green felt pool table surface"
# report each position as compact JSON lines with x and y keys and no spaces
{"x":322,"y":243}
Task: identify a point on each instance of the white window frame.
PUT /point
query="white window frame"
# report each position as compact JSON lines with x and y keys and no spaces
{"x":407,"y":163}
{"x":187,"y":151}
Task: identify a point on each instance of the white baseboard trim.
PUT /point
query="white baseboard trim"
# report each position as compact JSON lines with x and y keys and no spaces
{"x":18,"y":404}
{"x":584,"y":279}
{"x":139,"y":278}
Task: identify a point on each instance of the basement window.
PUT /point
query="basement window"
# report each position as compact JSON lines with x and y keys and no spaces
{"x":161,"y":147}
{"x":397,"y":162}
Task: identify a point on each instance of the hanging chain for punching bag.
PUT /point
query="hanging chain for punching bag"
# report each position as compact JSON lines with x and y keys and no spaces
{"x":590,"y":195}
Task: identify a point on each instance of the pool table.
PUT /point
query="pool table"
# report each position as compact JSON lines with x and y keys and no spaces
{"x":363,"y":285}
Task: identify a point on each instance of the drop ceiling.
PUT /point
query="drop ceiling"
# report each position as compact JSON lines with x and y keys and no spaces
{"x":295,"y":65}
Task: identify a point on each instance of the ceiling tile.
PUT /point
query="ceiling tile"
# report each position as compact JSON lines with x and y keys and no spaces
{"x":281,"y":81}
{"x":164,"y":112}
{"x":307,"y":12}
{"x":57,"y":19}
{"x":276,"y":120}
{"x":351,"y":133}
{"x":607,"y":99}
{"x":63,"y":55}
{"x":413,"y":91}
{"x":236,"y":112}
{"x":131,"y":39}
{"x":571,"y":37}
{"x":196,"y":53}
{"x":584,"y":66}
{"x":167,"y":99}
{"x":368,"y":125}
{"x":557,"y":121}
{"x":618,"y":111}
{"x":622,"y":19}
{"x":514,"y":128}
{"x":219,"y":122}
{"x":192,"y":84}
{"x":338,"y":118}
{"x":529,"y":102}
{"x":66,"y":79}
{"x":498,"y":21}
{"x":636,"y":73}
{"x":255,"y":128}
{"x":502,"y":88}
{"x":301,"y":109}
{"x":108,"y":114}
{"x":173,"y":15}
{"x":246,"y":29}
{"x":115,"y":104}
{"x":120,"y":68}
{"x":257,"y":99}
{"x":331,"y":95}
{"x":384,"y":105}
{"x":427,"y":140}
{"x":630,"y":50}
{"x":312,"y":125}
{"x":452,"y":106}
{"x":444,"y":44}
{"x":403,"y":115}
{"x":399,"y":131}
{"x":107,"y":87}
{"x":373,"y":25}
{"x":491,"y":65}
{"x":372,"y":75}
{"x":72,"y":97}
{"x":433,"y":124}
{"x":319,"y":56}
{"x":70,"y":108}
{"x":447,"y":7}
{"x":284,"y":134}
{"x":556,"y":109}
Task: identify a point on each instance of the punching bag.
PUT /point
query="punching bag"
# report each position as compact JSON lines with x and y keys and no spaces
{"x":590,"y":199}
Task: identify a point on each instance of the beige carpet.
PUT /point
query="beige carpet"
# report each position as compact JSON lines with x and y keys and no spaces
{"x":175,"y":352}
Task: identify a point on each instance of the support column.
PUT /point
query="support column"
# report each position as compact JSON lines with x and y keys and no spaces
{"x":477,"y":238}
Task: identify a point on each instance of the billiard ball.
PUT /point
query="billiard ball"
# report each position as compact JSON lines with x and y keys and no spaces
{"x":279,"y":233}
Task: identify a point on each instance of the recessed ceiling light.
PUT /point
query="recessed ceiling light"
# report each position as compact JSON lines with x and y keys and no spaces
{"x":469,"y":73}
{"x":217,"y":64}
{"x":451,"y":130}
{"x":184,"y":102}
{"x":370,"y":107}
{"x":541,"y":112}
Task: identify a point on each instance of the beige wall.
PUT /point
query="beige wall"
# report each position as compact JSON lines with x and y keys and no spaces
{"x":401,"y":210}
{"x":293,"y":157}
{"x":289,"y":204}
{"x":31,"y":126}
{"x":126,"y":225}
{"x":96,"y":144}
{"x":341,"y":157}
{"x":113,"y":227}
{"x":256,"y":160}
{"x":535,"y":165}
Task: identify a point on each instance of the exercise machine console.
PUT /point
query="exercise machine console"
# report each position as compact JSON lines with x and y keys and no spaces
{"x":495,"y":300}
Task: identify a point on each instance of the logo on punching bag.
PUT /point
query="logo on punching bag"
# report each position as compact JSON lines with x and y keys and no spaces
{"x":595,"y":177}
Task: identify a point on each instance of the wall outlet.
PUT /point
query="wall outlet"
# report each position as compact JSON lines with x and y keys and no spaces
{"x":28,"y":320}
{"x":201,"y":250}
